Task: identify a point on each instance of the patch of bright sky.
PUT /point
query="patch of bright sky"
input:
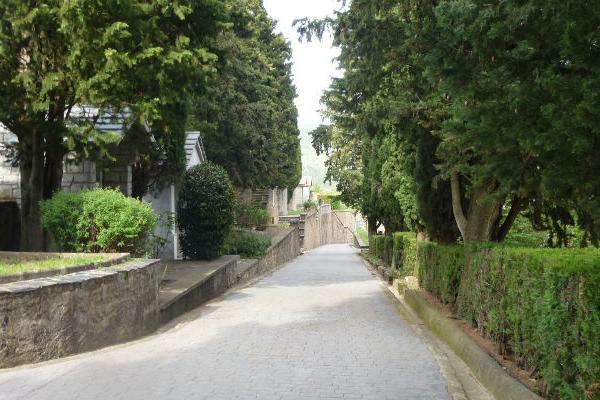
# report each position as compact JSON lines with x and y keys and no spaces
{"x":314,"y":64}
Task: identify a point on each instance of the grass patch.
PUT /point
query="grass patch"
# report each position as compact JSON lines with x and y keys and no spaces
{"x":12,"y":266}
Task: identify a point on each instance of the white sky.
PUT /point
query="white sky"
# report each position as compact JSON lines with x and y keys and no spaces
{"x":313,"y":62}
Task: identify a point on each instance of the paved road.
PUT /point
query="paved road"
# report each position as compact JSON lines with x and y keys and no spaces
{"x":319,"y":328}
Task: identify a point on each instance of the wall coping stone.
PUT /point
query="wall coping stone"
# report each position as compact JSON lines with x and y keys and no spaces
{"x":76,"y":277}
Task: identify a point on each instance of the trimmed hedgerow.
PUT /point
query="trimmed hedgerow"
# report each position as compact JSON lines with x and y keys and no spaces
{"x":397,"y":251}
{"x":542,"y":306}
{"x":440,"y":269}
{"x":405,"y":253}
{"x":205,"y":211}
{"x":387,"y":251}
{"x":98,"y":221}
{"x":376,"y":245}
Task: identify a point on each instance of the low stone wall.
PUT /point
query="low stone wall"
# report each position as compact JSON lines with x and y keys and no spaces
{"x":48,"y":318}
{"x":207,"y":289}
{"x":285,"y":247}
{"x":111,"y":259}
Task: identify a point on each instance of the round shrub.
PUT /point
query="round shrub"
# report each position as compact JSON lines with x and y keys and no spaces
{"x":98,"y":221}
{"x":205,"y":211}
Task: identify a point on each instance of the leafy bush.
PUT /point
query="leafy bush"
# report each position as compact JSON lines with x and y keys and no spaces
{"x":205,"y":211}
{"x":100,"y":220}
{"x":309,"y":205}
{"x":249,"y":216}
{"x":247,"y":244}
{"x":60,"y":216}
{"x":540,"y":305}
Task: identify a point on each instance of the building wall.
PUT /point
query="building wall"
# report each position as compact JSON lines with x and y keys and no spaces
{"x":327,"y":227}
{"x":162,"y":203}
{"x":9,"y":176}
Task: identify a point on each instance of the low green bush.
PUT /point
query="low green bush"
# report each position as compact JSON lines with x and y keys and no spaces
{"x":205,"y":211}
{"x":247,"y":244}
{"x":310,"y":205}
{"x":250,"y":216}
{"x":98,"y":221}
{"x":541,"y":306}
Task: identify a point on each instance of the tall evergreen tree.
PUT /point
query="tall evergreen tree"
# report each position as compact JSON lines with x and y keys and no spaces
{"x":248,"y":116}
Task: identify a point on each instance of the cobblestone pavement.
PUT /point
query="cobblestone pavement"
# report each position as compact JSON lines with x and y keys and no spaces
{"x":320,"y":328}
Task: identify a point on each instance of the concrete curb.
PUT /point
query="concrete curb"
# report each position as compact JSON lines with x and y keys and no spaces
{"x":487,"y":371}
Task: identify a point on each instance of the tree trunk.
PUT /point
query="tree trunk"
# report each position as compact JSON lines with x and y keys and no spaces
{"x":480,"y":223}
{"x":31,"y":167}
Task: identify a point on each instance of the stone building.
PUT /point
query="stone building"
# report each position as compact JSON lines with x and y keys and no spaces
{"x":301,"y":193}
{"x":77,"y":175}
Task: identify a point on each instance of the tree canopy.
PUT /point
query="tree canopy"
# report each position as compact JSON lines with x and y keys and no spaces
{"x":247,"y":114}
{"x":469,"y":112}
{"x":131,"y":57}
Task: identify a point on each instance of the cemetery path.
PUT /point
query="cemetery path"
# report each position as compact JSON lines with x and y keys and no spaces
{"x":319,"y":328}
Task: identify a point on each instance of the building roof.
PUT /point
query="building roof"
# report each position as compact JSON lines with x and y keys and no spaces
{"x":108,"y":121}
{"x":306,"y":181}
{"x":194,"y":149}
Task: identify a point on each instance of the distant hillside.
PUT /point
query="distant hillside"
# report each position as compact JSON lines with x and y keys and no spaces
{"x":313,"y":165}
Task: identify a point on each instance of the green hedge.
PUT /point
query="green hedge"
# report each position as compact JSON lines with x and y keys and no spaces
{"x":405,"y":253}
{"x":542,"y":306}
{"x":376,"y":245}
{"x":397,"y":251}
{"x":440,"y":269}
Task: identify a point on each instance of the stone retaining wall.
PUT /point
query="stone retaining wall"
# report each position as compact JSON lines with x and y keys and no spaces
{"x":285,"y":247}
{"x":327,"y":227}
{"x":209,"y":288}
{"x":42,"y":319}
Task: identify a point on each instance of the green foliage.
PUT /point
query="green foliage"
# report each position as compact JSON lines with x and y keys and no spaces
{"x":310,"y":205}
{"x":376,"y":245}
{"x":60,"y":216}
{"x":523,"y":235}
{"x":206,"y":210}
{"x":246,"y":244}
{"x":538,"y":305}
{"x":132,"y":57}
{"x":387,"y":251}
{"x":249,"y":216}
{"x":101,"y":220}
{"x":247,"y":115}
{"x":480,"y":92}
{"x":405,"y":253}
{"x":440,"y":269}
